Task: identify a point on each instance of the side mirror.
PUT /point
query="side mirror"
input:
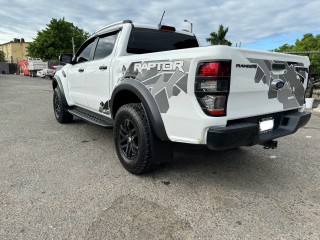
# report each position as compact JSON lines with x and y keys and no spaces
{"x":65,"y":58}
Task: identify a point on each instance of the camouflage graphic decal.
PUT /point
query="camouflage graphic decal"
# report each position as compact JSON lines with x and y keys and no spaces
{"x":293,"y":75}
{"x":164,"y":79}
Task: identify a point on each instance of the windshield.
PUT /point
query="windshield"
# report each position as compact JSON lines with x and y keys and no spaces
{"x":144,"y":40}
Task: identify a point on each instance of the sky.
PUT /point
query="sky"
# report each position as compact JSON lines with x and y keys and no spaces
{"x":260,"y":25}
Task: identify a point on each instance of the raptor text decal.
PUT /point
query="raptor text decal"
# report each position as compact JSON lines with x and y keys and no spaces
{"x":161,"y":66}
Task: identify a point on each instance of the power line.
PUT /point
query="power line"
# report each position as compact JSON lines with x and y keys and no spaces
{"x":305,"y":52}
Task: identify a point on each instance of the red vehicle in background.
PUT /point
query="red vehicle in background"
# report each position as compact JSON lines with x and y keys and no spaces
{"x":23,"y":67}
{"x":30,"y":66}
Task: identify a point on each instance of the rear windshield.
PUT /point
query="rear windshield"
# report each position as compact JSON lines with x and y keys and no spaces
{"x":144,"y":40}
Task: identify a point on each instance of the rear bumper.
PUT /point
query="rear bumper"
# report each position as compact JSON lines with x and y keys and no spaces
{"x":246,"y":133}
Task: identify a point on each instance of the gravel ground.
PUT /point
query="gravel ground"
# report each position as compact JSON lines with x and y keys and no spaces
{"x":66,"y":182}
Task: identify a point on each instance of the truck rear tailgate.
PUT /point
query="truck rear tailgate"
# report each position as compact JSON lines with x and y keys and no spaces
{"x":265,"y":82}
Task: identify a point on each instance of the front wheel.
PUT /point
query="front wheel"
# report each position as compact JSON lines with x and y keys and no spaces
{"x":60,"y":111}
{"x":133,"y":139}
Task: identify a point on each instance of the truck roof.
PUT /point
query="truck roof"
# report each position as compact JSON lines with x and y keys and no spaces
{"x":149,"y":26}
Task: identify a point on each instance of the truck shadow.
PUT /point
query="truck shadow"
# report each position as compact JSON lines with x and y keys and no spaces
{"x":249,"y":168}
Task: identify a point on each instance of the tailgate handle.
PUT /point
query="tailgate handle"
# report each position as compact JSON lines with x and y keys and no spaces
{"x":80,"y":70}
{"x":103,"y":67}
{"x":278,"y":66}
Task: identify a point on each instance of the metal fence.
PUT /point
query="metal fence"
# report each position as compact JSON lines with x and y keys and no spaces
{"x":8,"y":68}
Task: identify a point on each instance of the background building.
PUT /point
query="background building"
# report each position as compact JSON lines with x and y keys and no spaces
{"x":15,"y":50}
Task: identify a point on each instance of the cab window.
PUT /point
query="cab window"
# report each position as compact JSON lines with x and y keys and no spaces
{"x":105,"y":46}
{"x":143,"y":40}
{"x":85,"y":52}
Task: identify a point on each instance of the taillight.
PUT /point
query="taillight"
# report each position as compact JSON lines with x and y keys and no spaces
{"x":212,"y":86}
{"x":215,"y":69}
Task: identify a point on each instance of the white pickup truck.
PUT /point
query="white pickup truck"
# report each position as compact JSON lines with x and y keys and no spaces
{"x":154,"y":86}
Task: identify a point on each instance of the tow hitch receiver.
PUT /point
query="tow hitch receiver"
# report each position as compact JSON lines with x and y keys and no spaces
{"x":270,"y":144}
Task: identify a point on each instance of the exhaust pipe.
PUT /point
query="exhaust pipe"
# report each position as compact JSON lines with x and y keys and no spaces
{"x":270,"y":144}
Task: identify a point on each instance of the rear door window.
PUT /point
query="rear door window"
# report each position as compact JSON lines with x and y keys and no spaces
{"x":105,"y":46}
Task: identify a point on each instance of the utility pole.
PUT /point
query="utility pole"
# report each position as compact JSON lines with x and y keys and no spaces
{"x":73,"y":48}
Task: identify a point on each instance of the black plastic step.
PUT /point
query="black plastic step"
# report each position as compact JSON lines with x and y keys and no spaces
{"x":92,"y":117}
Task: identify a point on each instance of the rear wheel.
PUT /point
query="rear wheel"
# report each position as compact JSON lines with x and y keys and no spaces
{"x":133,"y":139}
{"x":60,"y":111}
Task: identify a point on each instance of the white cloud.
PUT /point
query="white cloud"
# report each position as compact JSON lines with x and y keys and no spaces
{"x":249,"y":21}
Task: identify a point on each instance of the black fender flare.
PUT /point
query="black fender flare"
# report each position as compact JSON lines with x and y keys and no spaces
{"x":56,"y":82}
{"x":148,"y":103}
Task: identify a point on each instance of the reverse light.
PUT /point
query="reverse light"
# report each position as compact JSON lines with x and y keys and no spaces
{"x":209,"y":85}
{"x":205,"y":85}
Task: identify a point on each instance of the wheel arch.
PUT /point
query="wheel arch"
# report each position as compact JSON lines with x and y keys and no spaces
{"x":133,"y":91}
{"x":56,"y":82}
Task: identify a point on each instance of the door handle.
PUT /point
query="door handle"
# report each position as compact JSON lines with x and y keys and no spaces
{"x":103,"y":67}
{"x":80,"y":70}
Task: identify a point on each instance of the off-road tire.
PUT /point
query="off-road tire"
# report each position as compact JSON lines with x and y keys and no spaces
{"x":133,"y":139}
{"x":60,"y":111}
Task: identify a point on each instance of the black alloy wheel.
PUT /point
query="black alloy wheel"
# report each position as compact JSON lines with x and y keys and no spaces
{"x":56,"y":105}
{"x":128,"y":140}
{"x":133,"y":138}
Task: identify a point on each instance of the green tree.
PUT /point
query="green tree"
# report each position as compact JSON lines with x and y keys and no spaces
{"x":308,"y":43}
{"x":284,"y":48}
{"x":2,"y":56}
{"x":56,"y":39}
{"x":219,"y":38}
